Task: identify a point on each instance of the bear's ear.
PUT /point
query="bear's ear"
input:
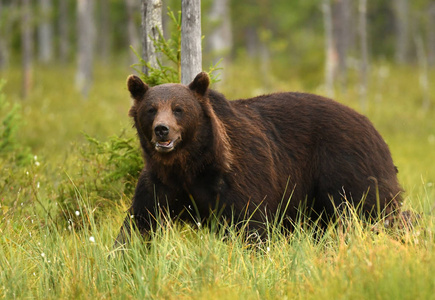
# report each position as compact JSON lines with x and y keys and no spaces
{"x":136,"y":87}
{"x":200,"y":83}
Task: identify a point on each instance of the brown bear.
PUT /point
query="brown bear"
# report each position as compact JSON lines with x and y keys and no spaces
{"x":249,"y":159}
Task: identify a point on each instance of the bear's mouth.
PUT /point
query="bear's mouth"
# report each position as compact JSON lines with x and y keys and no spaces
{"x":166,"y":146}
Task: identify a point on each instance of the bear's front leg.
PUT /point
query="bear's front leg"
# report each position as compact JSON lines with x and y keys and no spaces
{"x":140,"y":216}
{"x":141,"y":221}
{"x":125,"y":232}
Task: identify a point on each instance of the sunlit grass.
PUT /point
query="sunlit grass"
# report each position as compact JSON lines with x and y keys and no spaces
{"x":349,"y":261}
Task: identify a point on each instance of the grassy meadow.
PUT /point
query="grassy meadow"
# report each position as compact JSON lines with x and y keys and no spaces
{"x":68,"y":170}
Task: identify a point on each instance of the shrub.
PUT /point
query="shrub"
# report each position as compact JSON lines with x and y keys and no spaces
{"x":10,"y":147}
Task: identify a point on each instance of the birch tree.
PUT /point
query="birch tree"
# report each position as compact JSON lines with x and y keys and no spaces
{"x":85,"y":33}
{"x":220,"y":39}
{"x":341,"y":34}
{"x":3,"y":48}
{"x":362,"y":29}
{"x":131,"y":29}
{"x":401,"y":9}
{"x":431,"y":33}
{"x":151,"y":25}
{"x":104,"y":36}
{"x":191,"y":56}
{"x":45,"y":31}
{"x":27,"y":47}
{"x":330,"y":51}
{"x":63,"y":25}
{"x":5,"y":31}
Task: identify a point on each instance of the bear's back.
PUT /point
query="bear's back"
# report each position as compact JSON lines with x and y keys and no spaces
{"x":328,"y":147}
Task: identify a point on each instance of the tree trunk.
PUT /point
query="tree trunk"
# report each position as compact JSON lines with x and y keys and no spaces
{"x":330,"y":51}
{"x":86,"y":30}
{"x":133,"y":38}
{"x":424,"y":76}
{"x":401,"y":8}
{"x":191,"y":56}
{"x":64,"y":42}
{"x":431,"y":33}
{"x":9,"y":18}
{"x":251,"y":41}
{"x":27,"y":47}
{"x":151,"y":25}
{"x":362,"y":28}
{"x":220,"y":40}
{"x":104,"y":31}
{"x":45,"y":32}
{"x":341,"y":28}
{"x":4,"y":55}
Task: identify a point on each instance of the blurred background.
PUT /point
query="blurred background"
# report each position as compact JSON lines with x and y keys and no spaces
{"x":63,"y":66}
{"x":284,"y":40}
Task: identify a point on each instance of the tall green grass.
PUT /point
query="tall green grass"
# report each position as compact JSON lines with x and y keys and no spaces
{"x":61,"y":211}
{"x":41,"y":259}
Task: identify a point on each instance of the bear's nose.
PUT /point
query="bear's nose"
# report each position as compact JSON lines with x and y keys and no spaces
{"x":161,"y":131}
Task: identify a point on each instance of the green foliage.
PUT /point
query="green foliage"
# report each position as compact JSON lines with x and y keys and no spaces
{"x":107,"y":172}
{"x":168,"y":57}
{"x":10,"y":147}
{"x":120,"y":158}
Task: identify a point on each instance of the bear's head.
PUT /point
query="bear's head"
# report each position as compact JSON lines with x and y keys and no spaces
{"x":175,"y":121}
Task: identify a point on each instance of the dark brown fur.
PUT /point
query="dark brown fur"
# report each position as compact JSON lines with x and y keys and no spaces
{"x":249,"y":156}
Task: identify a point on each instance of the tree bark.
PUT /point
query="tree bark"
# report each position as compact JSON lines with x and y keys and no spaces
{"x":151,"y":25}
{"x":64,"y":42}
{"x":341,"y":34}
{"x":362,"y":29}
{"x":423,"y":76}
{"x":220,"y":40}
{"x":431,"y":33}
{"x":191,"y":56}
{"x":4,"y":55}
{"x":401,"y":9}
{"x":330,"y":51}
{"x":251,"y":41}
{"x":45,"y":32}
{"x":133,"y":38}
{"x":27,"y":47}
{"x":86,"y":33}
{"x":104,"y":35}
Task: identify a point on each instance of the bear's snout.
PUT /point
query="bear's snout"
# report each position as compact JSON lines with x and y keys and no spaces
{"x":161,"y":131}
{"x":166,"y":135}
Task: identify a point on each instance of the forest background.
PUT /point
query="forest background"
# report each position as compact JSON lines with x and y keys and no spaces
{"x":69,"y":158}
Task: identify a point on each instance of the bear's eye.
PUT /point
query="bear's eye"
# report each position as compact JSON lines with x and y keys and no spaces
{"x":152,"y":110}
{"x":178,"y":110}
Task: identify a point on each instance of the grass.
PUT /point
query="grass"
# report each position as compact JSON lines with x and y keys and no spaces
{"x":60,"y":211}
{"x":183,"y":262}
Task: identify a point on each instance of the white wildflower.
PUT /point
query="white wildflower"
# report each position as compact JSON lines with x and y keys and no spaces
{"x":77,"y":213}
{"x":92,"y":239}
